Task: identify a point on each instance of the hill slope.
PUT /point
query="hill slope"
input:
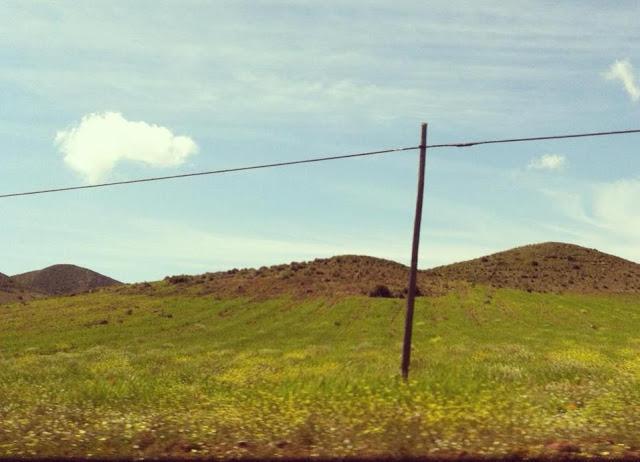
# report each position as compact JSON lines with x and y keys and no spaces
{"x":7,"y":289}
{"x":63,"y":279}
{"x":494,"y":372}
{"x":11,"y":292}
{"x":5,"y":282}
{"x":334,"y":277}
{"x":548,"y":267}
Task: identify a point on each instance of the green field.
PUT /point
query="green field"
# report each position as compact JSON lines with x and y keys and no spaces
{"x":494,"y":372}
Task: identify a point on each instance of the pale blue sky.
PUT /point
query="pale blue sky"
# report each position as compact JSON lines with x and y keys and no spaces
{"x":267,"y":81}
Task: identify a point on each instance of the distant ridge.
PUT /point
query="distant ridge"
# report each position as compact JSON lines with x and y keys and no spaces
{"x":63,"y":280}
{"x":548,"y":267}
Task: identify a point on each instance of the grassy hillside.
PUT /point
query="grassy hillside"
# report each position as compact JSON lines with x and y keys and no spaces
{"x":494,"y":372}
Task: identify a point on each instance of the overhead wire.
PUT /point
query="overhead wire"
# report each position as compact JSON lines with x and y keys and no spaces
{"x":210,"y":172}
{"x":466,"y":144}
{"x":535,"y":138}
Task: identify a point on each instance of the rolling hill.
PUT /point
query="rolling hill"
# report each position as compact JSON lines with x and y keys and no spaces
{"x":335,"y":277}
{"x":495,"y":373}
{"x":296,"y":361}
{"x":63,"y":280}
{"x":5,"y":281}
{"x":11,"y":292}
{"x":548,"y":267}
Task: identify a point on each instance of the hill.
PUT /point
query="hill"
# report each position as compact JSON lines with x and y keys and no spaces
{"x":63,"y":280}
{"x":548,"y":267}
{"x":295,"y":361}
{"x":6,"y":282}
{"x":336,"y":277}
{"x":11,"y":292}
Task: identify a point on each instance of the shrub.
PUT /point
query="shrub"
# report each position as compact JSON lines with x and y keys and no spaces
{"x":286,"y":275}
{"x":380,"y":291}
{"x":405,"y":292}
{"x":177,"y":279}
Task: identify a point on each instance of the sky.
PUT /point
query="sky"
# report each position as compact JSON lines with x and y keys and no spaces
{"x":113,"y":90}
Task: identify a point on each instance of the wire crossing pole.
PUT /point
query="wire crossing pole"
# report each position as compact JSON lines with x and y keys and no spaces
{"x":413,"y":273}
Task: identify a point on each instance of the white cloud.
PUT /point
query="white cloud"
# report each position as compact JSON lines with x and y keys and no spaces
{"x":548,"y":162}
{"x":623,"y":70}
{"x":101,"y":140}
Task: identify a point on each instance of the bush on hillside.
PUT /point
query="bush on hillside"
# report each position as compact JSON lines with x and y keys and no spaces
{"x":405,"y":292}
{"x":381,"y":291}
{"x":181,"y":279}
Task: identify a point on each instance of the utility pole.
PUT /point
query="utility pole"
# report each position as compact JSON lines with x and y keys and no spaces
{"x":413,"y":273}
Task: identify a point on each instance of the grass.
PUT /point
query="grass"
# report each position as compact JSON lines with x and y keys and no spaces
{"x":494,"y":372}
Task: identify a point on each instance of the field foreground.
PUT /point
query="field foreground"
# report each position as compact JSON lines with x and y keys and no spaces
{"x":495,"y":372}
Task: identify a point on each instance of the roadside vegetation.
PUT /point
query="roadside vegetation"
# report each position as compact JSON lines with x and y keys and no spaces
{"x":494,"y":372}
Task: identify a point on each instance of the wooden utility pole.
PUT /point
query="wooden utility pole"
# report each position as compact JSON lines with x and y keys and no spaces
{"x":413,"y":273}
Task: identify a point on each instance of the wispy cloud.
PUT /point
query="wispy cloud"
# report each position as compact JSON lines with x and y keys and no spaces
{"x":622,"y":70}
{"x":615,"y":206}
{"x":570,"y":203}
{"x":548,"y":162}
{"x":101,"y":140}
{"x":604,"y":216}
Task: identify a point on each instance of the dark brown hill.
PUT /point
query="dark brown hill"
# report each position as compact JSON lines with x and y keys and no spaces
{"x":63,"y":280}
{"x":337,"y":276}
{"x":6,"y":282}
{"x":548,"y":267}
{"x":11,"y":292}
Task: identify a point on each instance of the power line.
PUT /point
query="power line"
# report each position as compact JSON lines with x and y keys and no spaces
{"x":211,"y":172}
{"x":320,"y":159}
{"x":536,"y":138}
